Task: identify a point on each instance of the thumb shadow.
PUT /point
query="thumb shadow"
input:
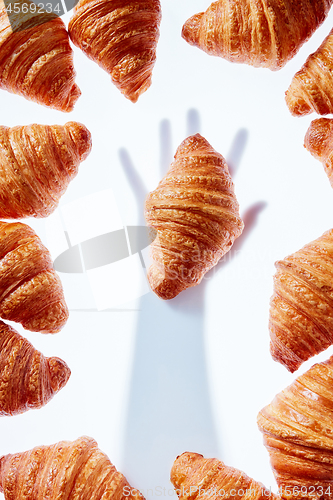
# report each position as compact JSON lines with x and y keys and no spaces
{"x":250,"y":219}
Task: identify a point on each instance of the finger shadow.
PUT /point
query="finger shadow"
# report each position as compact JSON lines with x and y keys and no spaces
{"x":250,"y":219}
{"x":237,"y":149}
{"x":166,"y":155}
{"x":193,"y":122}
{"x":193,"y":297}
{"x":193,"y":126}
{"x":135,"y":181}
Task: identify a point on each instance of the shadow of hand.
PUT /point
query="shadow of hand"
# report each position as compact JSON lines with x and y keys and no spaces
{"x":169,"y":407}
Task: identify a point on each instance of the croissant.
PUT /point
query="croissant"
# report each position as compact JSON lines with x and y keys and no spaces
{"x":30,"y":290}
{"x":76,"y":470}
{"x":195,"y":477}
{"x":311,"y":88}
{"x":263,"y":34}
{"x":301,"y":311}
{"x":36,"y":60}
{"x":27,"y":378}
{"x":120,"y":36}
{"x":297,"y":428}
{"x":37,"y":162}
{"x":195,"y":213}
{"x":318,"y":140}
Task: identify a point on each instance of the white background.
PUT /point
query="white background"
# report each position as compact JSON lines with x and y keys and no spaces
{"x":154,"y":379}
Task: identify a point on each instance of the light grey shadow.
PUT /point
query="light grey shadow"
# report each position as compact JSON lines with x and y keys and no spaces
{"x":250,"y":219}
{"x":193,"y":126}
{"x":134,"y":181}
{"x":236,"y":151}
{"x":105,"y":249}
{"x":193,"y":122}
{"x":166,"y":153}
{"x":169,"y":408}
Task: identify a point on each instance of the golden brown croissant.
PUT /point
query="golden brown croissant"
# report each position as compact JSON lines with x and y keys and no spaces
{"x":312,"y":87}
{"x":297,"y":428}
{"x":263,"y":34}
{"x":196,"y":477}
{"x":36,"y":60}
{"x":27,"y":378}
{"x":195,"y":213}
{"x":37,"y":162}
{"x":120,"y":36}
{"x":319,"y":141}
{"x":301,"y":312}
{"x":30,"y":290}
{"x":76,"y":470}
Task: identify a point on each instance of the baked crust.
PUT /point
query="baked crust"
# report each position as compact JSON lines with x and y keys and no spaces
{"x":263,"y":34}
{"x":196,"y":215}
{"x":319,"y":142}
{"x":36,"y":60}
{"x":76,"y":470}
{"x":37,"y":162}
{"x":30,"y":290}
{"x":297,"y":430}
{"x":311,"y":89}
{"x":28,"y":380}
{"x":196,"y":477}
{"x":301,"y":309}
{"x":120,"y":36}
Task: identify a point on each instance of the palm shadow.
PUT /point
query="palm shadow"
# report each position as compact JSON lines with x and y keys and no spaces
{"x":169,"y":407}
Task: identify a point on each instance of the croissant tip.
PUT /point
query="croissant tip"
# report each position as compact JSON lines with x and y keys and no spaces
{"x":73,"y":96}
{"x":134,"y":95}
{"x":50,"y":323}
{"x":164,"y":288}
{"x":182,"y":466}
{"x":189,"y":454}
{"x":184,"y":462}
{"x":2,"y":460}
{"x":187,"y":464}
{"x":133,"y":98}
{"x":59,"y":373}
{"x":285,"y":357}
{"x":193,"y":143}
{"x":190,"y":29}
{"x":296,"y":104}
{"x":164,"y":291}
{"x":81,"y":137}
{"x":140,"y":81}
{"x":318,"y":138}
